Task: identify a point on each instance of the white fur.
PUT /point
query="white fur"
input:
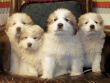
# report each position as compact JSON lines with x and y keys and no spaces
{"x":92,"y":41}
{"x":30,"y":62}
{"x":14,"y":21}
{"x":62,"y":52}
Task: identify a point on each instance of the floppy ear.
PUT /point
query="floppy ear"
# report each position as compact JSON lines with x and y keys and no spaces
{"x":101,"y":20}
{"x":80,"y":22}
{"x":7,"y":24}
{"x":48,"y":21}
{"x":75,"y":29}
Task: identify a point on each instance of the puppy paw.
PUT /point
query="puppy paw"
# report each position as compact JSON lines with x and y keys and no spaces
{"x":75,"y":73}
{"x":46,"y":77}
{"x":97,"y":70}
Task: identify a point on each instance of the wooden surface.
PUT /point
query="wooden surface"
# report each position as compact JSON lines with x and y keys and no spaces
{"x":87,"y":78}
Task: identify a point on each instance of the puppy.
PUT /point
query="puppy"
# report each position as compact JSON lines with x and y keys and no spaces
{"x":61,"y":50}
{"x":14,"y":27}
{"x":29,"y":43}
{"x":91,"y":33}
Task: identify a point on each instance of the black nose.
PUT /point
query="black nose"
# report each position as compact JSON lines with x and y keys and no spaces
{"x":60,"y":25}
{"x":18,"y":29}
{"x":29,"y":44}
{"x":92,"y":26}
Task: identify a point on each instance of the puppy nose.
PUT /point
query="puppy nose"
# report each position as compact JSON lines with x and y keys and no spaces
{"x":18,"y":29}
{"x":60,"y":25}
{"x":29,"y":44}
{"x":92,"y":27}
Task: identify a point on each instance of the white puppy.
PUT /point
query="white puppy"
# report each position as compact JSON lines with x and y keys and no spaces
{"x":14,"y":27}
{"x":91,"y":33}
{"x":61,"y":50}
{"x":29,"y":43}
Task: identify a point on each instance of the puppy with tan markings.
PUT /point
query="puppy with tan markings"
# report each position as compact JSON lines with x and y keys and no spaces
{"x":29,"y":44}
{"x":14,"y":27}
{"x":91,"y":33}
{"x":62,"y":52}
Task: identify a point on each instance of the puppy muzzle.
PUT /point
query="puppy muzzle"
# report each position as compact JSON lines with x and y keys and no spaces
{"x":92,"y":27}
{"x":18,"y":32}
{"x":60,"y":27}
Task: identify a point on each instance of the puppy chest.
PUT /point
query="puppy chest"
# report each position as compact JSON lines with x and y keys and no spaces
{"x":58,"y":49}
{"x":93,"y":47}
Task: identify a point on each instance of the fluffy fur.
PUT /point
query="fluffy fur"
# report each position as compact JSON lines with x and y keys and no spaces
{"x":61,"y":51}
{"x":91,"y":33}
{"x":14,"y":27}
{"x":29,"y":44}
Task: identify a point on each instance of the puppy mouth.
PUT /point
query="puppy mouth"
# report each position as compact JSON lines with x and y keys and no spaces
{"x":31,"y":49}
{"x":92,"y":30}
{"x":18,"y":34}
{"x":59,"y":30}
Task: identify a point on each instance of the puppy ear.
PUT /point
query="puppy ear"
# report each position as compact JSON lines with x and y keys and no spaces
{"x":7,"y":24}
{"x":100,"y":18}
{"x":31,"y":23}
{"x":76,"y":29}
{"x":80,"y":22}
{"x":48,"y":22}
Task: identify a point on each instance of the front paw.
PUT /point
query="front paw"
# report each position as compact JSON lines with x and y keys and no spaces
{"x":46,"y":77}
{"x":97,"y":70}
{"x":75,"y":73}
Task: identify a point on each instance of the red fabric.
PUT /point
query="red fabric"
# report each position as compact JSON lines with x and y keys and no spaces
{"x":101,"y":4}
{"x":4,"y":4}
{"x":107,"y":25}
{"x":48,"y":0}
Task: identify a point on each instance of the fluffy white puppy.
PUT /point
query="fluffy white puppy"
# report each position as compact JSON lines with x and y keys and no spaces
{"x":29,"y":44}
{"x":14,"y":27}
{"x":61,"y":50}
{"x":91,"y":33}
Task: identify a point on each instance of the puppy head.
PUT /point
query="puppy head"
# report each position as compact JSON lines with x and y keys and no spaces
{"x":31,"y":38}
{"x":61,"y":21}
{"x":91,"y":23}
{"x":16,"y":22}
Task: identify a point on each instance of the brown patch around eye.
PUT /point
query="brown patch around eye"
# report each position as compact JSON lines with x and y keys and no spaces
{"x":86,"y":22}
{"x":55,"y":19}
{"x":34,"y":37}
{"x":14,"y":23}
{"x":23,"y":23}
{"x":66,"y":19}
{"x":24,"y":37}
{"x":96,"y":22}
{"x":71,"y":23}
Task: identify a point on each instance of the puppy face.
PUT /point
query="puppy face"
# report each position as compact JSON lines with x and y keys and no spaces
{"x":90,"y":23}
{"x":16,"y":22}
{"x":61,"y":21}
{"x":31,"y":38}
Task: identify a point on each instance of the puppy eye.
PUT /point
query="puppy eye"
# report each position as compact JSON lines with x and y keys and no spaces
{"x":86,"y":22}
{"x":66,"y":19}
{"x":25,"y":37}
{"x":23,"y":23}
{"x":35,"y":38}
{"x":96,"y":22}
{"x":55,"y":19}
{"x":14,"y":23}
